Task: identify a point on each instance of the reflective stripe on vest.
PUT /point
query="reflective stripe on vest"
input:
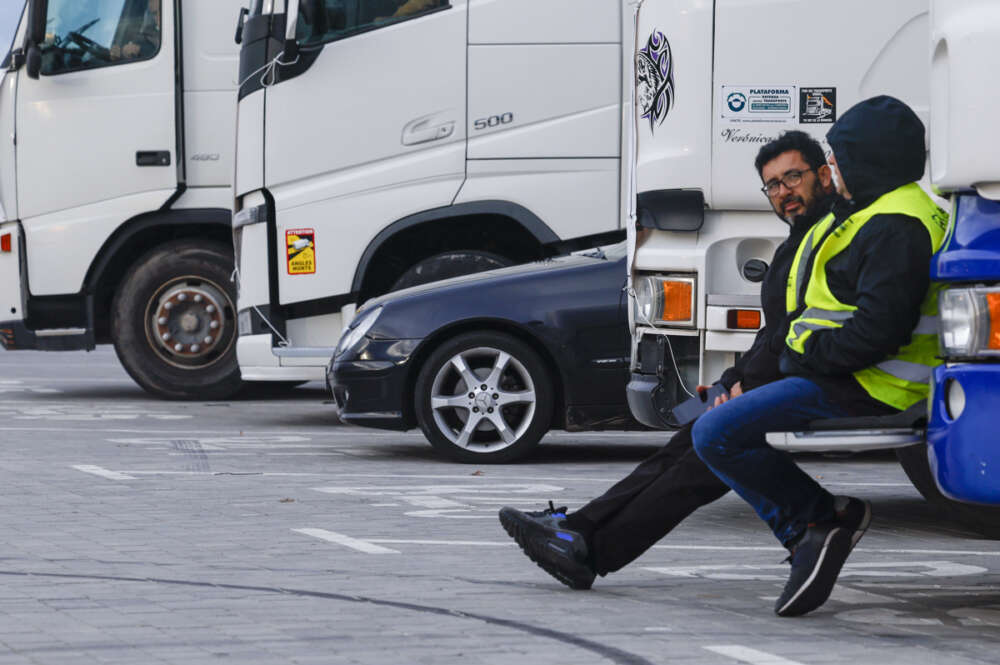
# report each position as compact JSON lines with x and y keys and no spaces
{"x":901,"y":380}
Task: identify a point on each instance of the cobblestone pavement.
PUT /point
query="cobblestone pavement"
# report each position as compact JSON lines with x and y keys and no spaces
{"x":260,"y":530}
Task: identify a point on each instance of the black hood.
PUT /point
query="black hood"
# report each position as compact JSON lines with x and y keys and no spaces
{"x":879,"y":146}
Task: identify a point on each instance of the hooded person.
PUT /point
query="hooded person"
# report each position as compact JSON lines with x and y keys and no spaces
{"x":861,"y":342}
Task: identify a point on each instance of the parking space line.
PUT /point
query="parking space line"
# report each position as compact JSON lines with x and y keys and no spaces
{"x":340,"y":539}
{"x":748,"y":655}
{"x":102,"y":472}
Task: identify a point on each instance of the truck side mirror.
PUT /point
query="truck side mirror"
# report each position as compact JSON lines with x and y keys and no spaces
{"x":671,"y":209}
{"x":37,"y":12}
{"x":291,"y":25}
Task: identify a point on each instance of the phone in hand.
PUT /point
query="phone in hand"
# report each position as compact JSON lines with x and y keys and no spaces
{"x":690,"y":409}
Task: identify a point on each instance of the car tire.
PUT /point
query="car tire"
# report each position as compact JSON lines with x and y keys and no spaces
{"x":508,"y":418}
{"x":449,"y":264}
{"x":173,"y":322}
{"x":984,"y":520}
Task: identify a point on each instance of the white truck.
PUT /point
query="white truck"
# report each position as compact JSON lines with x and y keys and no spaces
{"x":117,"y":118}
{"x":386,"y":143}
{"x":708,"y":232}
{"x":699,"y":247}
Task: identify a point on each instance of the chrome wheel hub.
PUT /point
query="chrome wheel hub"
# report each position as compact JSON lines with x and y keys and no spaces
{"x":483,"y":399}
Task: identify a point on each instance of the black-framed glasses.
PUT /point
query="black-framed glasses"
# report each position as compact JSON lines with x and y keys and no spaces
{"x":791,"y":179}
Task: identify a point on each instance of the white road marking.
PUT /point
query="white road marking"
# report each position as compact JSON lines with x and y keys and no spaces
{"x":886,"y":617}
{"x":63,"y":379}
{"x":876,"y":569}
{"x":748,"y":655}
{"x":340,"y":539}
{"x":250,"y":440}
{"x":934,"y":552}
{"x":222,"y":473}
{"x":432,"y":502}
{"x":977,"y":616}
{"x":486,"y":477}
{"x":403,"y":491}
{"x":102,"y":472}
{"x":471,"y":543}
{"x":833,"y":482}
{"x":850,"y":596}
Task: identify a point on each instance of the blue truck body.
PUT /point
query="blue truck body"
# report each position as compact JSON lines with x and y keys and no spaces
{"x":964,"y":447}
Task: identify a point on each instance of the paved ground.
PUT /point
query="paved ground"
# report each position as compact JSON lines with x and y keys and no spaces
{"x":140,"y":531}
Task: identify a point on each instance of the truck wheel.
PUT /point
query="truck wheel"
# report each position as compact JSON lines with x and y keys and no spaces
{"x":984,"y":520}
{"x":173,"y":322}
{"x":449,"y":264}
{"x":484,"y":397}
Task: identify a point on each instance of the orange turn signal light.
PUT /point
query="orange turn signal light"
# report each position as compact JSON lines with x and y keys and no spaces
{"x":677,"y":301}
{"x":5,"y":243}
{"x":743,"y":319}
{"x":993,"y":336}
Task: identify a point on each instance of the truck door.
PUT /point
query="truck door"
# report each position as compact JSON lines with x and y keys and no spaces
{"x":372,"y":129}
{"x":96,"y":132}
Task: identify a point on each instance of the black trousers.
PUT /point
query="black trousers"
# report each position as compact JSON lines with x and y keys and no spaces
{"x":643,"y":507}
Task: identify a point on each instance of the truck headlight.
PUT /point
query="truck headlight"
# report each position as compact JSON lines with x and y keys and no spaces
{"x":359,"y":327}
{"x":970,"y":322}
{"x":666,"y":301}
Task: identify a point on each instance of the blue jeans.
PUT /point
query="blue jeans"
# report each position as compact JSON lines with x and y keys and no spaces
{"x":730,"y":440}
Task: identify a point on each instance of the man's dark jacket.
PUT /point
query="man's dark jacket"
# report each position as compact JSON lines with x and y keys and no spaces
{"x":759,"y":365}
{"x":885,"y":271}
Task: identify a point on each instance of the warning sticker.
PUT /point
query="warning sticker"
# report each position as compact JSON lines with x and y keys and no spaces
{"x":817,"y":105}
{"x":301,"y":245}
{"x":758,"y":103}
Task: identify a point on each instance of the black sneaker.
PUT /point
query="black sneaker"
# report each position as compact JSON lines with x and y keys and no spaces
{"x":816,"y":561}
{"x":545,"y":538}
{"x":853,"y":514}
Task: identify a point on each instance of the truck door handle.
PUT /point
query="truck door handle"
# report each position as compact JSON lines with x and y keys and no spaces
{"x":426,"y":129}
{"x":152,"y":158}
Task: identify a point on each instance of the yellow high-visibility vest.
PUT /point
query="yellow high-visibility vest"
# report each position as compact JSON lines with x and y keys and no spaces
{"x":901,"y":380}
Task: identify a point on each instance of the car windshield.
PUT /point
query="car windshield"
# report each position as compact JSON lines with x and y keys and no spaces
{"x":10,"y":16}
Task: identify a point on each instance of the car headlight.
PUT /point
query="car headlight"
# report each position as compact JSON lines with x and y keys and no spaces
{"x":359,"y":327}
{"x":664,"y":301}
{"x":970,"y":322}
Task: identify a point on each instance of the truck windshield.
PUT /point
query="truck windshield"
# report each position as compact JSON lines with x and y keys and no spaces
{"x":328,"y":20}
{"x":10,"y":16}
{"x":85,"y":34}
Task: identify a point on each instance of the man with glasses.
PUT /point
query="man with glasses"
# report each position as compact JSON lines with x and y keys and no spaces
{"x":861,"y":341}
{"x":614,"y":529}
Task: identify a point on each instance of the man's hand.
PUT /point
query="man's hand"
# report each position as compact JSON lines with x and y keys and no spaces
{"x":734,"y":392}
{"x":130,"y":50}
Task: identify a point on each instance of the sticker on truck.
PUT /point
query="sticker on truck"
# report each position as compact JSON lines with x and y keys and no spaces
{"x":817,"y":105}
{"x":758,"y":103}
{"x":301,"y":244}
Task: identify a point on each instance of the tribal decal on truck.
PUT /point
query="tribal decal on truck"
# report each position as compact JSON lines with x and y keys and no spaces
{"x":654,"y":80}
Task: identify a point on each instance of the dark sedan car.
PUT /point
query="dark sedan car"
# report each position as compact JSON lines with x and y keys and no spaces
{"x":485,"y":364}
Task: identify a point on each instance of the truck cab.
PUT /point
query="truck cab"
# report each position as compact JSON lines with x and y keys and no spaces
{"x":694,"y":263}
{"x":409,"y":141}
{"x":706,"y":232}
{"x":117,"y":118}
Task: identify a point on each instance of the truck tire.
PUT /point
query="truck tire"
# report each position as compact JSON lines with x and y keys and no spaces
{"x":173,"y":321}
{"x":449,"y":264}
{"x":496,"y":416}
{"x":984,"y":520}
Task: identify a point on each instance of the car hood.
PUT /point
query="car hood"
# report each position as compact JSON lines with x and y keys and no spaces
{"x":523,"y":295}
{"x":542,"y":267}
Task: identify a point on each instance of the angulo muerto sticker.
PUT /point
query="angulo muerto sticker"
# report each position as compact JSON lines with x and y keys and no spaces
{"x":301,"y":244}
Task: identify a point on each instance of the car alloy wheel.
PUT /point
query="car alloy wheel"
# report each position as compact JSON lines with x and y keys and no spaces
{"x":484,"y":397}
